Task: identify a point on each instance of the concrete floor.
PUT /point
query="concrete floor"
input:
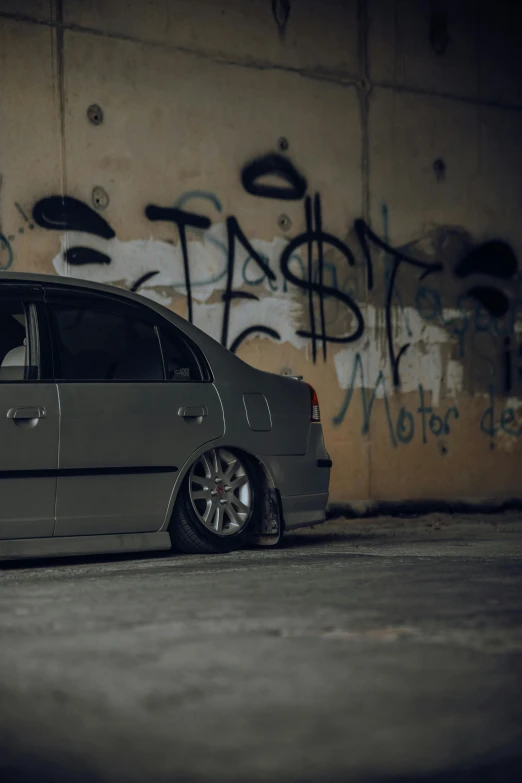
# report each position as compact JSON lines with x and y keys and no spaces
{"x":379,"y":651}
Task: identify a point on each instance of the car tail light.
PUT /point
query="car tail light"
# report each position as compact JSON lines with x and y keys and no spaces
{"x":315,"y":413}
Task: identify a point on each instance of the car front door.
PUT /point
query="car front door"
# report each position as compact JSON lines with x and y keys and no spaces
{"x":29,"y":417}
{"x":135,"y":404}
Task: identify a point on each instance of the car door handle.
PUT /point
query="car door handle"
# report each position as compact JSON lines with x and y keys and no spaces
{"x":194,"y":412}
{"x":26,"y":413}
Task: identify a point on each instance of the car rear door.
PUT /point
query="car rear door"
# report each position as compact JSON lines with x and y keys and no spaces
{"x":130,"y":415}
{"x":29,"y":416}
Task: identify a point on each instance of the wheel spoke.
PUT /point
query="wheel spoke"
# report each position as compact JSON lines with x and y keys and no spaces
{"x":217,"y":522}
{"x":240,"y":481}
{"x":208,"y":511}
{"x":234,"y":519}
{"x":239,"y":505}
{"x":206,"y":465}
{"x":200,"y":495}
{"x":231,"y":468}
{"x":214,"y":461}
{"x":200,"y":480}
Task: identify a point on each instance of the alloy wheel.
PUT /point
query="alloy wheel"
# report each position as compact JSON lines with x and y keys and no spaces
{"x":220,"y":492}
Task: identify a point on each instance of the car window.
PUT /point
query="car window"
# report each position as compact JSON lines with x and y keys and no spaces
{"x":14,"y":342}
{"x":96,"y":344}
{"x":180,"y":362}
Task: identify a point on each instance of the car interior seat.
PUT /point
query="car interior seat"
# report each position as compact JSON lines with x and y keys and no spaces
{"x":16,"y":357}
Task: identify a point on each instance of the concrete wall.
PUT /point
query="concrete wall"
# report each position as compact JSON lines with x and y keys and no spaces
{"x":395,"y":123}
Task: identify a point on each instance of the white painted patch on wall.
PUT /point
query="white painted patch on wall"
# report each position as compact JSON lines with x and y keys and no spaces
{"x":274,"y":312}
{"x":208,"y":263}
{"x":454,"y":377}
{"x":208,"y":273}
{"x":422,"y":363}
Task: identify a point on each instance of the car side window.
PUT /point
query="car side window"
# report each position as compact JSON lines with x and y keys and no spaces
{"x":15,"y":353}
{"x":180,"y":362}
{"x":98,"y":345}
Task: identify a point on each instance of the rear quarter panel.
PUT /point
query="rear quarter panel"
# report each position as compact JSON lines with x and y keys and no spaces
{"x":289,"y":406}
{"x":288,"y":399}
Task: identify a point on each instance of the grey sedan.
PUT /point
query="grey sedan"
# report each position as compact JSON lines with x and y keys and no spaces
{"x":123,"y":427}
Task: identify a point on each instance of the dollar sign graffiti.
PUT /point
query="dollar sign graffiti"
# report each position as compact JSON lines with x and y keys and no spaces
{"x":315,"y":234}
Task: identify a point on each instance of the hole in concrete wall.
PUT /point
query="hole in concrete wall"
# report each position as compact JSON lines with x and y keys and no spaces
{"x":100,"y":198}
{"x":284,"y":222}
{"x":95,"y":114}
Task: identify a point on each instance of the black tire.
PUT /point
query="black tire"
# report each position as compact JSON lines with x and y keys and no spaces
{"x":190,"y":536}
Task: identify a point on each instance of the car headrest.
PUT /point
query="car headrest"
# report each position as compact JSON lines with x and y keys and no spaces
{"x":15,"y":357}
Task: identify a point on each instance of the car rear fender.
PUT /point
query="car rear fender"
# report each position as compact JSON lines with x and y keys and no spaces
{"x":267,"y":414}
{"x":267,"y":483}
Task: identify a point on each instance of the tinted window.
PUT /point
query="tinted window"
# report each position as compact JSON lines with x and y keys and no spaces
{"x":14,"y":343}
{"x":180,"y":362}
{"x":99,"y":345}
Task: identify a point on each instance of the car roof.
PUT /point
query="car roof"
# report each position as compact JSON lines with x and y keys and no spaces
{"x":41,"y":279}
{"x":75,"y":283}
{"x":202,"y":338}
{"x":225,"y":364}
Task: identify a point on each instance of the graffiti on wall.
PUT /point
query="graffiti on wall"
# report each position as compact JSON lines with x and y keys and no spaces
{"x":68,"y":214}
{"x":402,"y":429}
{"x":319,"y":289}
{"x":281,"y":13}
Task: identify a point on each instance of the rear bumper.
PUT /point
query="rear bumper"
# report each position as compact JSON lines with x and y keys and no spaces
{"x":303,"y":482}
{"x":304,"y":510}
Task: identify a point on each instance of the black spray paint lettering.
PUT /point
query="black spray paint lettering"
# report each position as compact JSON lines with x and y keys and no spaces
{"x":281,"y":166}
{"x":181,"y":219}
{"x":56,"y":212}
{"x":493,"y":259}
{"x":62,"y":214}
{"x":492,"y":299}
{"x":314,"y":234}
{"x":79,"y":256}
{"x":142,"y":280}
{"x":234,"y":232}
{"x":278,"y":166}
{"x":281,"y":13}
{"x":185,"y":219}
{"x":364,"y":233}
{"x":69,"y":214}
{"x":59,"y":213}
